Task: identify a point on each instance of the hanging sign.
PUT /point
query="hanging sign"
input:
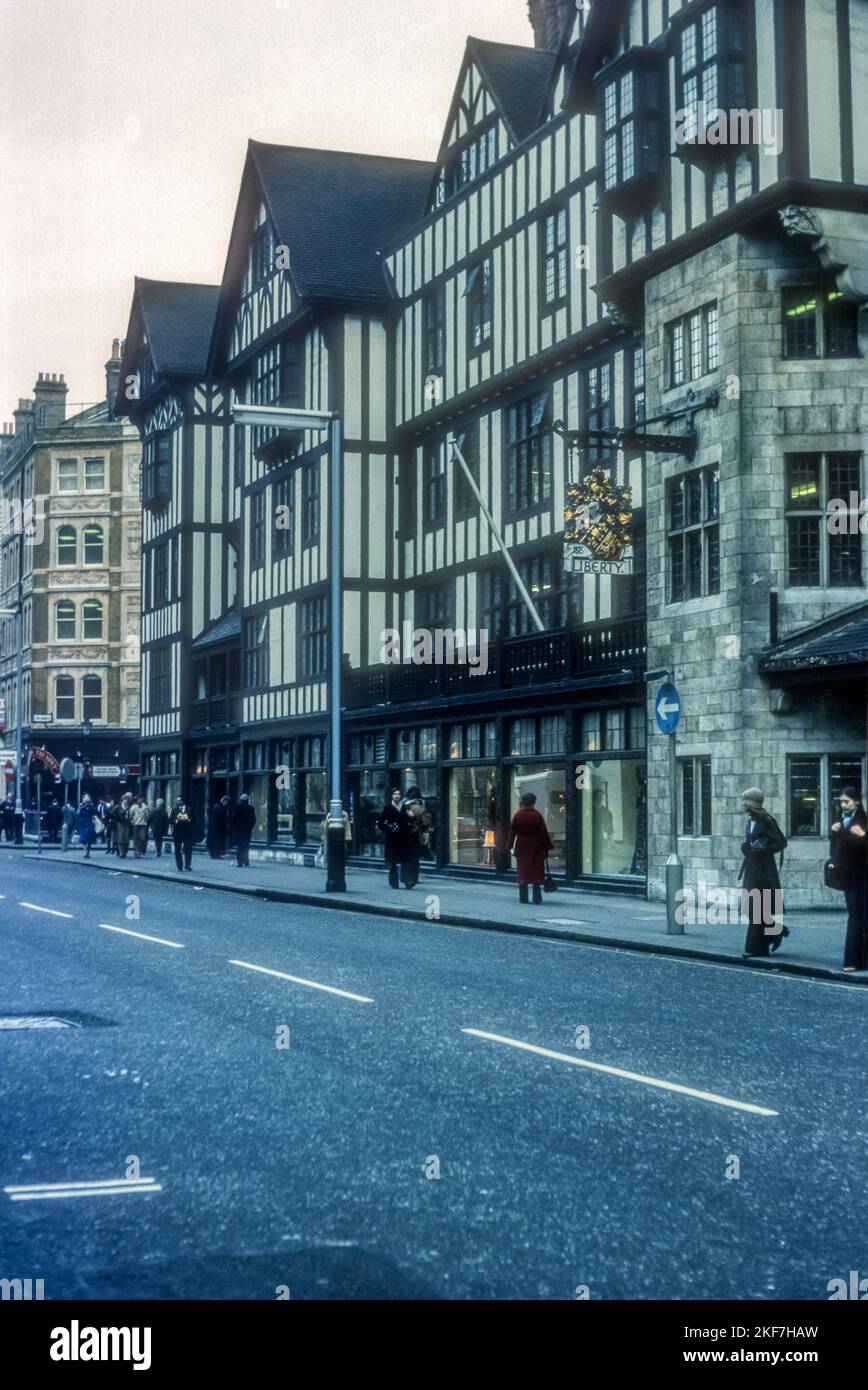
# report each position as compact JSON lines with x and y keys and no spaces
{"x":598,"y":521}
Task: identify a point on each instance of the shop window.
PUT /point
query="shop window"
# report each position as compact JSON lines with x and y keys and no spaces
{"x":695,"y":782}
{"x":614,"y":818}
{"x":472,"y":812}
{"x":816,"y":557}
{"x":548,"y":786}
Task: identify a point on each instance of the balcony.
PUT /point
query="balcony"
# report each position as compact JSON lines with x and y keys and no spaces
{"x":517,"y":663}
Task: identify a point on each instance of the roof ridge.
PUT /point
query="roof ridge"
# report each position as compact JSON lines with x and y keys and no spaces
{"x":342,"y":154}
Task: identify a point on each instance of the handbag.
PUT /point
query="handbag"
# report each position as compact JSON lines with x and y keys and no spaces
{"x":549,"y":885}
{"x":834,"y":877}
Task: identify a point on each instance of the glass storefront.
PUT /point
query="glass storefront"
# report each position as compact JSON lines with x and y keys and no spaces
{"x":373,"y":791}
{"x":613,"y":816}
{"x":472,"y":816}
{"x":548,"y":786}
{"x":315,"y":806}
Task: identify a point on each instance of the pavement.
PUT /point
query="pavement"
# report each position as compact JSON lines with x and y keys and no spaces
{"x":814,"y":948}
{"x":265,"y":1100}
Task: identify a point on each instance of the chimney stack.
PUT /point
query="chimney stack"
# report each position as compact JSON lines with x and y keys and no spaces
{"x":548,"y":20}
{"x":49,"y":401}
{"x":113,"y":374}
{"x":23,"y":417}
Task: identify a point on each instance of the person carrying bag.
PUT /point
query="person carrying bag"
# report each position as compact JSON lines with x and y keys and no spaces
{"x":846,"y":871}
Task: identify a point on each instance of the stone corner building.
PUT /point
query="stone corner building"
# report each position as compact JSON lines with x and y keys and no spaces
{"x":76,"y":571}
{"x":564,"y":260}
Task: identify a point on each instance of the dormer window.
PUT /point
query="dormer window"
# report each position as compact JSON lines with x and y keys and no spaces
{"x":710,"y":77}
{"x":468,"y":161}
{"x":630,"y":153}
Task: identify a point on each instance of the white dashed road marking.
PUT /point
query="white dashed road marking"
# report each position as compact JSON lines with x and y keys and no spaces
{"x":296,"y":980}
{"x":625,"y":1075}
{"x":34,"y":907}
{"x":125,"y":931}
{"x":113,"y":1187}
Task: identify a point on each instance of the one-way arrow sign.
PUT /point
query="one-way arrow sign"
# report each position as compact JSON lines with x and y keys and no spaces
{"x":667,"y":709}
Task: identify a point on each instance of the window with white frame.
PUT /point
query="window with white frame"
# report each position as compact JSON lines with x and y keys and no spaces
{"x":67,"y":475}
{"x":64,"y":698}
{"x":94,"y":475}
{"x":91,"y":698}
{"x":64,"y":621}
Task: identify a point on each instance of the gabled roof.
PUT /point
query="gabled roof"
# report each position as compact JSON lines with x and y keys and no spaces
{"x":599,"y":41}
{"x":335,"y":211}
{"x":518,"y":79}
{"x":179,"y":321}
{"x":838,"y":641}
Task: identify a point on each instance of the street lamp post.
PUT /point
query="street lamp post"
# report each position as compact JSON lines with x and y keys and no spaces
{"x":283,"y":418}
{"x":19,"y":660}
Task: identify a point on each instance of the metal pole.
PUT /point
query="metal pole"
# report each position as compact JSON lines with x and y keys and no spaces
{"x":519,"y":583}
{"x":336,"y":876}
{"x":674,"y":866}
{"x":19,"y":717}
{"x":39,"y":812}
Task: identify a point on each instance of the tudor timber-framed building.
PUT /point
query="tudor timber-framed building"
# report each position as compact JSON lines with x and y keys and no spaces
{"x":564,"y":259}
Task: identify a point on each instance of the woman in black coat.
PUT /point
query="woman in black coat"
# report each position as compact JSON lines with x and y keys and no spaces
{"x":762,"y":841}
{"x":392,"y":823}
{"x":243,"y":821}
{"x":218,"y":828}
{"x":849,"y":853}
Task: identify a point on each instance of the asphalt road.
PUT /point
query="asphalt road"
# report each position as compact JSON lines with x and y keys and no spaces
{"x":308,"y":1168}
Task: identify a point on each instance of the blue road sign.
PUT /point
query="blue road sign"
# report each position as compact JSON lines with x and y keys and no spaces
{"x":667,"y":709}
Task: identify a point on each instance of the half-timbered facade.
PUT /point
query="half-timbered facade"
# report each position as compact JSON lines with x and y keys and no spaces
{"x":591,"y":251}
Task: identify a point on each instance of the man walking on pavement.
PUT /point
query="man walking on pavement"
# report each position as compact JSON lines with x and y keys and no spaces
{"x":159,"y":824}
{"x":181,"y":821}
{"x":243,"y":821}
{"x":68,"y":824}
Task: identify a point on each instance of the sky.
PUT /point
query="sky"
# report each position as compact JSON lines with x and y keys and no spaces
{"x":124,"y":127}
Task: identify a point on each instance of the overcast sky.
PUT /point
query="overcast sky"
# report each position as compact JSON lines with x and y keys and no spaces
{"x":124,"y":127}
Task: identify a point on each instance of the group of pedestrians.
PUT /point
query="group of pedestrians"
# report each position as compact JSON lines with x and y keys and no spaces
{"x":237,"y":823}
{"x":846,"y":871}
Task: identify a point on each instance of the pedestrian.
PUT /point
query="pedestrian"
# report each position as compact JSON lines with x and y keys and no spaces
{"x":530,"y":842}
{"x":181,"y":821}
{"x":123,"y":826}
{"x":54,"y":820}
{"x":762,"y":900}
{"x":68,"y":825}
{"x":324,"y":830}
{"x":109,"y":819}
{"x":848,"y":851}
{"x":159,"y":824}
{"x":413,"y":836}
{"x":9,"y":818}
{"x":392,"y":822}
{"x":86,"y":825}
{"x":140,"y":814}
{"x":218,"y":828}
{"x":243,"y":821}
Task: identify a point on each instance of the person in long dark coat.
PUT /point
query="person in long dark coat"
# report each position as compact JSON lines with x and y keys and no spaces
{"x":531,"y":843}
{"x":763,"y":839}
{"x":849,"y":853}
{"x":158,"y":825}
{"x":181,"y":821}
{"x":414,"y":826}
{"x":218,"y":828}
{"x":243,"y":821}
{"x":53,"y":821}
{"x":392,"y":822}
{"x":9,"y":818}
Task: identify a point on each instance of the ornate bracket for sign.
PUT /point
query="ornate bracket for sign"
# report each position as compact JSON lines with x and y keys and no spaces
{"x":635,"y":436}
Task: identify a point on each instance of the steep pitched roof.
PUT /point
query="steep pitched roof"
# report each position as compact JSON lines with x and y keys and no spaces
{"x":335,"y":211}
{"x":179,"y":321}
{"x":598,"y":42}
{"x":841,"y":640}
{"x":518,"y":79}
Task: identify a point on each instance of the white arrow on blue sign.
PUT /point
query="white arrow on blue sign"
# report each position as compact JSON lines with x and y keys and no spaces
{"x":667,"y":709}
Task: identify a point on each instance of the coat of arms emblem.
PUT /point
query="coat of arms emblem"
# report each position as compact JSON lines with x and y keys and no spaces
{"x":598,"y":518}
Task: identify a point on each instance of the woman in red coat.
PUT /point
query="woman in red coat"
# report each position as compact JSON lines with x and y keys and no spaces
{"x":530,"y":841}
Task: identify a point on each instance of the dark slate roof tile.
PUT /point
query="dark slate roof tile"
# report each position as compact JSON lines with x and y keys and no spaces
{"x":179,"y":323}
